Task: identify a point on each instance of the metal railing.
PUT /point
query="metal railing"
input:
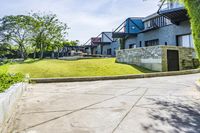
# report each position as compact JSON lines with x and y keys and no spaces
{"x":170,"y":5}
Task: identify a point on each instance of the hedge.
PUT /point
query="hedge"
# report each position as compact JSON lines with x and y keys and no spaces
{"x":193,"y":8}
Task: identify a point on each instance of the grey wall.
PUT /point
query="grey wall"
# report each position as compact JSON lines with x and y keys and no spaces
{"x":164,"y":34}
{"x":115,"y":46}
{"x":130,"y":41}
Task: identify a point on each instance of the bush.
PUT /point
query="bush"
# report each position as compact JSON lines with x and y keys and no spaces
{"x":6,"y":80}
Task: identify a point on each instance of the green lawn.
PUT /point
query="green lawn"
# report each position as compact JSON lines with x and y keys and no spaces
{"x":59,"y":68}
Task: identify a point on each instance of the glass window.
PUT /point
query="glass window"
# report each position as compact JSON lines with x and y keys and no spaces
{"x":186,"y":41}
{"x":152,"y":42}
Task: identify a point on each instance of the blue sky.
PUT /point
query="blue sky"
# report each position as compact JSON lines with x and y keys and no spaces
{"x":86,"y":18}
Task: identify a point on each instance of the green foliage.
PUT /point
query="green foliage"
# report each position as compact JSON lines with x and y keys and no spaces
{"x":71,"y":43}
{"x":193,"y":8}
{"x":48,"y":32}
{"x":15,"y":30}
{"x":6,"y":80}
{"x":36,"y":32}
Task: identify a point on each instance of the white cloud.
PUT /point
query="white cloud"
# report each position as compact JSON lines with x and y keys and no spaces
{"x":86,"y":18}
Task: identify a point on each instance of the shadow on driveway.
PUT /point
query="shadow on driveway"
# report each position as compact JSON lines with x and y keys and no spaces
{"x":177,"y":117}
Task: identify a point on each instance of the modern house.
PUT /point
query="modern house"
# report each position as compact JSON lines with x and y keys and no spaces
{"x":103,"y":44}
{"x":170,"y":26}
{"x":161,"y":41}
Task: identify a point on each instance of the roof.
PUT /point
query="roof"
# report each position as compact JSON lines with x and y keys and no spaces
{"x":150,"y":17}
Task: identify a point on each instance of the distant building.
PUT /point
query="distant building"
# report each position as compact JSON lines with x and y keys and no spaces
{"x":103,"y":45}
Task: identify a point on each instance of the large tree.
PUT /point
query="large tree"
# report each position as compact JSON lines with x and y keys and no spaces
{"x":15,"y":30}
{"x":48,"y":32}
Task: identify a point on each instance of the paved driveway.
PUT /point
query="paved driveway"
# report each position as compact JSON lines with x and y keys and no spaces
{"x":153,"y":105}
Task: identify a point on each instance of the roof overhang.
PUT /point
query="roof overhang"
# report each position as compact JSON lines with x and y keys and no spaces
{"x":176,"y":15}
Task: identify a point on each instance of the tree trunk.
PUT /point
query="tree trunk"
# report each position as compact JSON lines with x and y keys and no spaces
{"x":21,"y":52}
{"x":34,"y":55}
{"x":58,"y":53}
{"x":193,"y":8}
{"x":41,"y":51}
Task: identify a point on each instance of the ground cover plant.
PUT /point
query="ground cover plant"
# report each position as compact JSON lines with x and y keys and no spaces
{"x":6,"y":80}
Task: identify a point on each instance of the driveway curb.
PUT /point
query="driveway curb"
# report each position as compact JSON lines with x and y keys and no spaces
{"x":84,"y":79}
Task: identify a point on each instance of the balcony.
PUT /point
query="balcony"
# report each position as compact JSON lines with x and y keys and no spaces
{"x":105,"y":38}
{"x":174,"y":11}
{"x":130,"y":27}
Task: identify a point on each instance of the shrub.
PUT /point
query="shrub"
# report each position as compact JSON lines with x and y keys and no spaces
{"x":6,"y":80}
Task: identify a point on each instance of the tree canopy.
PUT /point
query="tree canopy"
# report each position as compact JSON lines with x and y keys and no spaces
{"x":21,"y":35}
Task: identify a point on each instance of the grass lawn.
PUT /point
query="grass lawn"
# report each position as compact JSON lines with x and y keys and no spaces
{"x":59,"y":68}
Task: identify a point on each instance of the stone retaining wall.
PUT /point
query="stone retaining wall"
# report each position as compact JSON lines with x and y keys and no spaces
{"x":155,"y":57}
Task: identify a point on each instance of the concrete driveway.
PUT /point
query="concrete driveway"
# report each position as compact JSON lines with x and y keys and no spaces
{"x":153,"y":105}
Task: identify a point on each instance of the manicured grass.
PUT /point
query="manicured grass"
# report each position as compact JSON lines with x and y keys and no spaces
{"x":80,"y":68}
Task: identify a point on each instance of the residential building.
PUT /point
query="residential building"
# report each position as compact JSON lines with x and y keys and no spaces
{"x":161,"y":41}
{"x":103,"y":44}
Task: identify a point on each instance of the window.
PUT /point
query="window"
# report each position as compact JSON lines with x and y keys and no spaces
{"x":152,"y":43}
{"x":186,"y":41}
{"x":132,"y":46}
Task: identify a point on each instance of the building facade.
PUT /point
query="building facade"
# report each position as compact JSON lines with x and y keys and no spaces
{"x":170,"y":27}
{"x":160,"y":42}
{"x":103,"y":45}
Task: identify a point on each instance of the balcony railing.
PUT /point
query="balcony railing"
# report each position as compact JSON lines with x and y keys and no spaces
{"x":174,"y":11}
{"x":171,"y":6}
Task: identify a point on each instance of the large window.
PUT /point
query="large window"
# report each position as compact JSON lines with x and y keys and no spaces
{"x":152,"y":43}
{"x":186,"y":41}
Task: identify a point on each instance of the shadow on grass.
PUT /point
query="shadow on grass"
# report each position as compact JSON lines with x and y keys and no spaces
{"x":181,"y":117}
{"x":141,"y":69}
{"x":30,"y":61}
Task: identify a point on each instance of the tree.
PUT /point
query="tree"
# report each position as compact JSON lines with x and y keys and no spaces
{"x":48,"y":32}
{"x":15,"y":30}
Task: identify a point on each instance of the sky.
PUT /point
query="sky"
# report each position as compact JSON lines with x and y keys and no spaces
{"x":86,"y":18}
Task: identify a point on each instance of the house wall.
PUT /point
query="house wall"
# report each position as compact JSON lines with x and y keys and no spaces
{"x":129,"y":41}
{"x":166,"y":34}
{"x":155,"y":57}
{"x":105,"y":48}
{"x":115,"y":46}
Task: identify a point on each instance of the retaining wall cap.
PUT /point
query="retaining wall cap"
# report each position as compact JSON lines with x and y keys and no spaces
{"x":81,"y":79}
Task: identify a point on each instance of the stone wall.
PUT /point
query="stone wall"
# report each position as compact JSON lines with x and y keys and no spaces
{"x":186,"y":57}
{"x":148,"y":57}
{"x":155,"y":57}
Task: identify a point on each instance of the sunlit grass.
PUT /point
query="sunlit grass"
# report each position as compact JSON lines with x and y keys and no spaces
{"x":79,"y":68}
